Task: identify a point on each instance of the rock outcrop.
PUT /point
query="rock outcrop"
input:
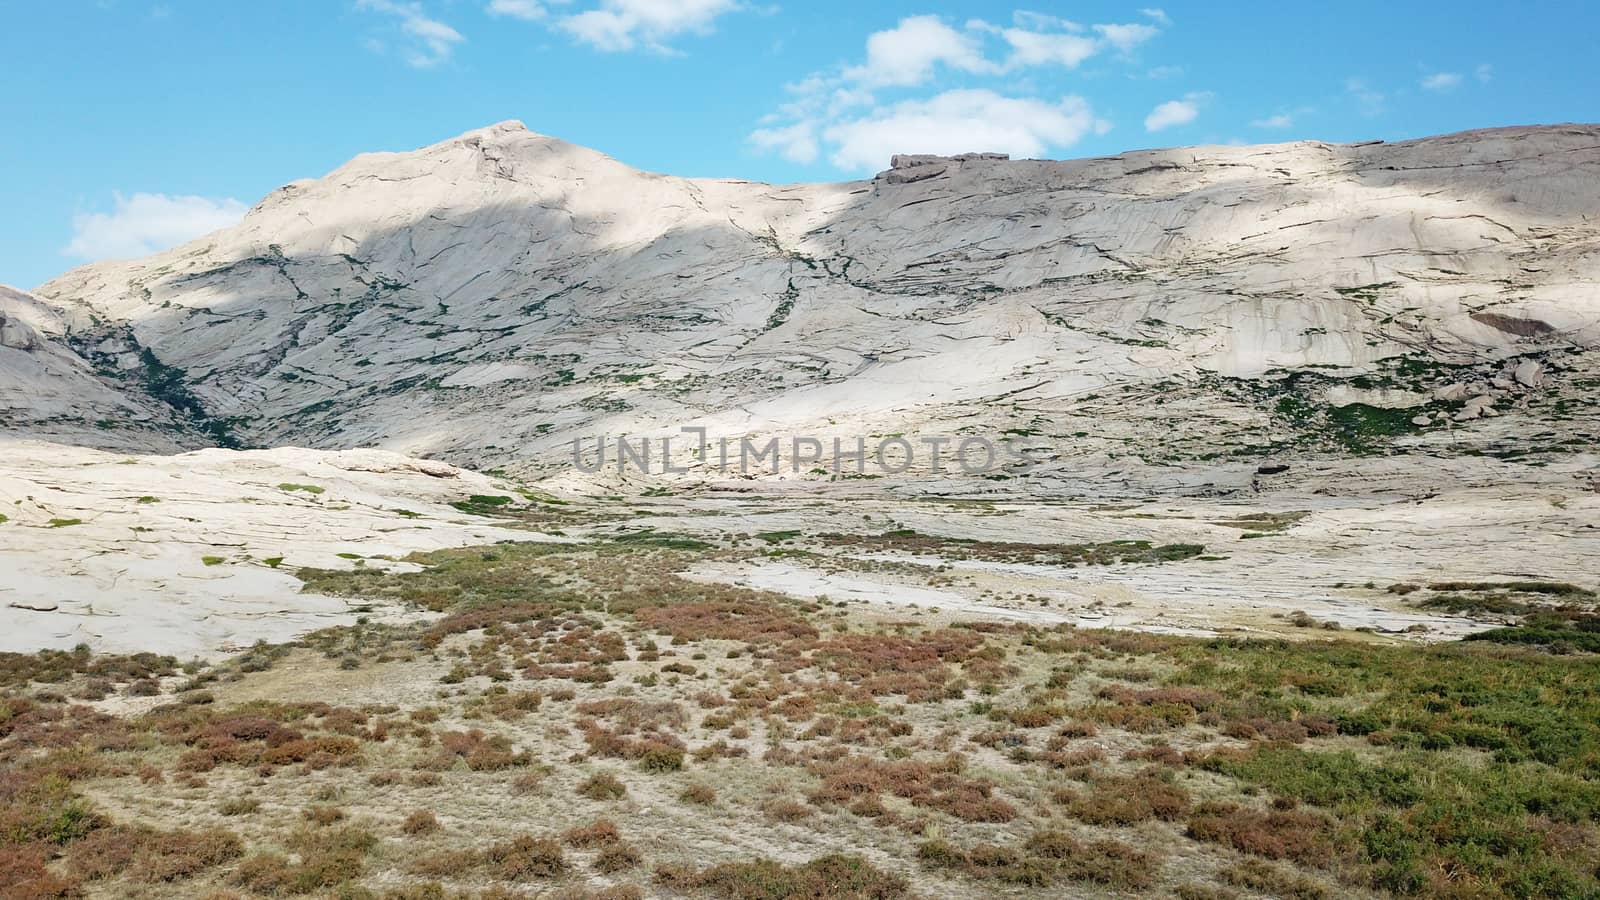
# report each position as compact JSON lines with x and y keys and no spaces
{"x":486,"y":299}
{"x":49,"y":390}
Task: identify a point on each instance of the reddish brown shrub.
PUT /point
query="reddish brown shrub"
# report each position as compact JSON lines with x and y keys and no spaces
{"x":784,"y":809}
{"x":617,"y":858}
{"x":420,"y":822}
{"x":265,"y":873}
{"x":728,"y":620}
{"x":603,"y":786}
{"x":701,"y":794}
{"x":596,"y":834}
{"x":323,"y":815}
{"x":526,"y":857}
{"x":1165,"y":754}
{"x":1073,"y":759}
{"x":24,"y":876}
{"x":445,"y":863}
{"x":825,"y":878}
{"x":938,"y":786}
{"x":1125,"y":800}
{"x":169,"y":856}
{"x":1296,"y":835}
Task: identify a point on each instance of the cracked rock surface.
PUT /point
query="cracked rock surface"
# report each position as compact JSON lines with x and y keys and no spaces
{"x":192,"y":554}
{"x":486,"y":299}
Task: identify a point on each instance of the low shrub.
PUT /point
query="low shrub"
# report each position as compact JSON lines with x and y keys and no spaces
{"x":596,"y":834}
{"x":833,"y":877}
{"x":1125,"y":800}
{"x":699,"y":794}
{"x":420,"y":822}
{"x":602,"y":786}
{"x":525,"y":856}
{"x":1274,"y":881}
{"x":1295,"y":835}
{"x":617,"y":858}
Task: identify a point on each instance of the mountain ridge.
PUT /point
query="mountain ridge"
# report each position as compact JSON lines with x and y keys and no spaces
{"x":490,"y":297}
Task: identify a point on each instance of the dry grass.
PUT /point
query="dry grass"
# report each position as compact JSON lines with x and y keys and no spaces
{"x":420,"y":822}
{"x":932,"y":750}
{"x":1296,"y":835}
{"x":602,"y":786}
{"x":827,"y":878}
{"x":1127,"y":800}
{"x":525,"y":857}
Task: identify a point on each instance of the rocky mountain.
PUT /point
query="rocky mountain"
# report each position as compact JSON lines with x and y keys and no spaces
{"x":49,"y":389}
{"x":1199,"y":311}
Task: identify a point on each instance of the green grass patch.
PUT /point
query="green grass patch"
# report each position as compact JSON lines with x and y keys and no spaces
{"x":660,"y":540}
{"x":778,"y":537}
{"x":484,"y":505}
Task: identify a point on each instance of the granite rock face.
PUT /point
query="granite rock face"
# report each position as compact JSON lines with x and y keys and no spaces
{"x":487,"y":299}
{"x":50,"y":390}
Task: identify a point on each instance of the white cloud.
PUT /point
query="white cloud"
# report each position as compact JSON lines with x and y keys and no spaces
{"x":1035,"y":48}
{"x":907,"y":53}
{"x":910,"y":53}
{"x":1043,"y":22}
{"x":1158,"y":16}
{"x":837,"y":114}
{"x":433,"y":40}
{"x":147,"y":223}
{"x":960,"y":121}
{"x":1281,"y":120}
{"x":527,"y":10}
{"x":618,"y":25}
{"x":1175,"y":112}
{"x":1126,"y":37}
{"x":796,"y":143}
{"x":1442,"y":81}
{"x":1484,"y":73}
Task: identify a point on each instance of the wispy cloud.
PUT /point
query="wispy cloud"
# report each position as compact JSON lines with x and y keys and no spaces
{"x":1279,"y":121}
{"x":1442,"y":81}
{"x":430,"y":41}
{"x":1282,"y":119}
{"x":142,"y":224}
{"x":1127,"y":37}
{"x":1369,"y":100}
{"x":1175,"y":112}
{"x":1484,"y":73}
{"x":527,"y":10}
{"x":618,"y":25}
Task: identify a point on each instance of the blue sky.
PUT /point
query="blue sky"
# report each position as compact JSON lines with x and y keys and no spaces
{"x":132,"y":125}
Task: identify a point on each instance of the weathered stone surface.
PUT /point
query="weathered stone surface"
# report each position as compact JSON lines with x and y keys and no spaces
{"x":1530,"y":374}
{"x":193,"y":554}
{"x":486,"y":299}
